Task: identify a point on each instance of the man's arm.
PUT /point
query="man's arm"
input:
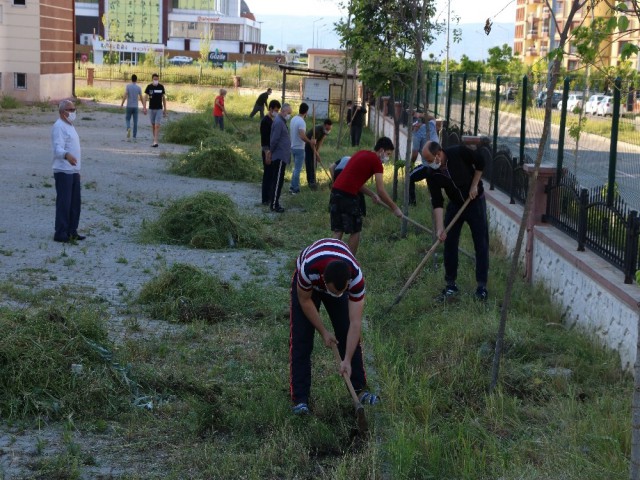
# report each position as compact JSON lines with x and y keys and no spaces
{"x":144,"y":103}
{"x":124,"y":98}
{"x":374,"y":196}
{"x":313,"y":315}
{"x":473,"y":191}
{"x":164,"y":104}
{"x":384,"y":196}
{"x":438,"y":214}
{"x":353,"y":335}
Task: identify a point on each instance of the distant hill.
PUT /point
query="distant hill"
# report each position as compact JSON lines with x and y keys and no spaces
{"x":283,"y":30}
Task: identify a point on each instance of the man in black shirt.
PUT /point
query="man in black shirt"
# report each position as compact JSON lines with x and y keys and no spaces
{"x":460,"y":175}
{"x":265,"y":141}
{"x":316,"y":135}
{"x":156,"y":95}
{"x":261,"y":102}
{"x":355,"y":119}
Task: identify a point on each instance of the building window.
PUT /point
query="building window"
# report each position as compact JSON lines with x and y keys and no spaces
{"x":19,"y":2}
{"x":20,"y":81}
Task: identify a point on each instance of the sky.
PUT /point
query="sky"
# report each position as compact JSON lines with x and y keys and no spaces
{"x":310,"y":23}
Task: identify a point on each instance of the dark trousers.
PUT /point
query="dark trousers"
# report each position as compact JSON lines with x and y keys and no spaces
{"x":417,"y":174}
{"x":257,"y":109}
{"x":356,"y":133}
{"x":309,"y":164}
{"x":475,"y":215}
{"x":266,"y":180}
{"x":219,"y":121}
{"x":302,"y":333}
{"x":277,"y":179}
{"x":67,"y":205}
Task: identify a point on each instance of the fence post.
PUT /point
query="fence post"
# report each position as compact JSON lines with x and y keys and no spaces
{"x":582,"y":219}
{"x":613,"y":150}
{"x":495,"y":128}
{"x":523,"y":116}
{"x":512,"y":187}
{"x":449,"y":95}
{"x":563,"y":127}
{"x":464,"y":101}
{"x":426,"y":98}
{"x":435,"y":111}
{"x":631,"y":250}
{"x":477,"y":112}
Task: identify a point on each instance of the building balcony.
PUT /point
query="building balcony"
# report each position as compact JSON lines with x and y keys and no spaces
{"x":531,"y":52}
{"x":532,"y":34}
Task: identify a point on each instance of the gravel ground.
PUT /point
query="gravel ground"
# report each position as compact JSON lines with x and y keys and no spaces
{"x":124,"y":182}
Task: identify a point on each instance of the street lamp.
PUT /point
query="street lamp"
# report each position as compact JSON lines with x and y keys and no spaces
{"x":313,"y":31}
{"x":320,"y":28}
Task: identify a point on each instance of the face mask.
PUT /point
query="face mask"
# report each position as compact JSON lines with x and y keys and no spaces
{"x":274,"y":113}
{"x":326,"y":132}
{"x":434,"y":165}
{"x":71,"y":117}
{"x":384,"y":158}
{"x":155,"y":83}
{"x":287,"y":117}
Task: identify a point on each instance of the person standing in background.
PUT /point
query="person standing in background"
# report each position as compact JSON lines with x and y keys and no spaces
{"x":315,"y":138}
{"x":67,"y":159}
{"x":261,"y":102}
{"x":298,"y":127}
{"x":280,"y":155}
{"x":218,"y":109}
{"x":355,"y":120}
{"x":132,"y":94}
{"x":265,"y":141}
{"x":156,"y":95}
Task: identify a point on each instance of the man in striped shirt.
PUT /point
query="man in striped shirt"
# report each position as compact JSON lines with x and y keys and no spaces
{"x":328,"y":273}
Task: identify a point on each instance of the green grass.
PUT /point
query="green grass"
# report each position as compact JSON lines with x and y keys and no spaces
{"x":218,"y":377}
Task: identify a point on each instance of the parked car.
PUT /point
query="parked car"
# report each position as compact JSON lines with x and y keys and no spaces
{"x":574,"y":101}
{"x":181,"y":60}
{"x":605,"y":107}
{"x":592,"y":104}
{"x":541,"y":99}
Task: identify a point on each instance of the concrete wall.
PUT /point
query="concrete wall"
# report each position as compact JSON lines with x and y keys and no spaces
{"x":590,"y":291}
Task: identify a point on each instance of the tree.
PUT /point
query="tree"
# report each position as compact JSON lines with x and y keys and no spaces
{"x":499,"y":59}
{"x":471,"y":66}
{"x":205,"y":44}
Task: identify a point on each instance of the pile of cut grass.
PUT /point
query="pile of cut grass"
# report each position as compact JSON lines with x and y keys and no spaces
{"x":218,"y":157}
{"x":188,"y":130}
{"x":207,"y":220}
{"x":37,"y":351}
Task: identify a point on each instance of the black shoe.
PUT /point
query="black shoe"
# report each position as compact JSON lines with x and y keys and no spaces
{"x":277,"y":209}
{"x":481,"y":294}
{"x":61,"y":240}
{"x":265,"y":203}
{"x":77,"y":236}
{"x":154,"y":145}
{"x":448,"y":293}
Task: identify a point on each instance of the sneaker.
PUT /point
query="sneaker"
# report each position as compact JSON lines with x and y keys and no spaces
{"x":481,"y":294}
{"x":294,"y":192}
{"x":128,"y":133}
{"x":300,"y":409}
{"x":277,"y":209}
{"x":449,"y":291}
{"x":368,"y":398}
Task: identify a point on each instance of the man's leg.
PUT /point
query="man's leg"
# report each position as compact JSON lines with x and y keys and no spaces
{"x":75,"y":205}
{"x":353,"y":242}
{"x":127,"y":117}
{"x":267,"y":179}
{"x":451,"y":244}
{"x":477,"y":220}
{"x":301,"y":334}
{"x":417,"y":174}
{"x":64,"y":185}
{"x":309,"y":165}
{"x":358,"y":135}
{"x":276,"y":187}
{"x":353,"y":136}
{"x":134,"y":114}
{"x":298,"y":160}
{"x":338,"y":311}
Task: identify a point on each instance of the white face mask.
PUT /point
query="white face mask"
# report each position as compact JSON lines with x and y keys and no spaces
{"x":384,"y":158}
{"x":71,"y":116}
{"x":155,"y":83}
{"x":434,"y":165}
{"x":287,"y":117}
{"x":274,"y":113}
{"x":326,"y":132}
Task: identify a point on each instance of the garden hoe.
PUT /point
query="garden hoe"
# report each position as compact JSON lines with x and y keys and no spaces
{"x":427,"y":256}
{"x":243,"y":136}
{"x":363,"y":426}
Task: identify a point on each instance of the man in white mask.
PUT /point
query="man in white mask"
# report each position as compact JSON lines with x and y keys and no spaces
{"x":66,"y":172}
{"x":157,"y":97}
{"x":424,"y":130}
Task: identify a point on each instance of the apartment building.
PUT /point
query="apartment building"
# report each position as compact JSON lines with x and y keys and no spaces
{"x":178,"y":26}
{"x":36,"y":49}
{"x":536,"y":32}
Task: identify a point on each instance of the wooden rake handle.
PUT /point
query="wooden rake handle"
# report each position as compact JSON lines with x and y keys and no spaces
{"x":346,"y":378}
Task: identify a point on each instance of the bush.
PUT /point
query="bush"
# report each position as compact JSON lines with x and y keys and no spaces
{"x":189,"y":130}
{"x":218,"y":157}
{"x":206,"y":220}
{"x":8,"y":102}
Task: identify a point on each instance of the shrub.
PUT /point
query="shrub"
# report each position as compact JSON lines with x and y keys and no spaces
{"x":8,"y":102}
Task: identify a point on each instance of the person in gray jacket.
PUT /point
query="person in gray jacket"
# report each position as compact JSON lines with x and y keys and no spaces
{"x":279,"y":155}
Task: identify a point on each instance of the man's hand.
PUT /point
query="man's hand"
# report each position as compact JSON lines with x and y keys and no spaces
{"x":473,"y":192}
{"x":442,"y":235}
{"x":71,"y":159}
{"x":376,"y":199}
{"x":164,"y":114}
{"x":144,"y":110}
{"x":345,"y":367}
{"x":329,"y":338}
{"x":398,"y":213}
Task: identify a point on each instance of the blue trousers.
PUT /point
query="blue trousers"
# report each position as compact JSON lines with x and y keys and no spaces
{"x":219,"y":121}
{"x":67,"y":205}
{"x":475,"y":215}
{"x":298,"y":161}
{"x":132,"y":112}
{"x":301,"y":337}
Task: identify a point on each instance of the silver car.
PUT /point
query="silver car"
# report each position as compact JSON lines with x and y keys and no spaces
{"x":591,"y":106}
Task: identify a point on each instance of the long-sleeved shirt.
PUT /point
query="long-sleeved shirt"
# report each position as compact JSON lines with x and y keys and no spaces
{"x":65,"y":139}
{"x":280,"y":142}
{"x":456,"y":178}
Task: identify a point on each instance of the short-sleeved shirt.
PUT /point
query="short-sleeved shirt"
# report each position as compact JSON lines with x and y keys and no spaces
{"x":297,"y":123}
{"x":361,"y":167}
{"x":313,"y":261}
{"x":133,"y":93}
{"x":217,"y":111}
{"x":155,"y":93}
{"x":319,"y":133}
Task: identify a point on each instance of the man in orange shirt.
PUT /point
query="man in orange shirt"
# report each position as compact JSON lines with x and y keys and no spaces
{"x":218,"y":109}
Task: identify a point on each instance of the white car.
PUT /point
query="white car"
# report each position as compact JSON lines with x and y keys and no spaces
{"x":605,"y":107}
{"x":574,"y":101}
{"x":181,"y":60}
{"x":592,"y":104}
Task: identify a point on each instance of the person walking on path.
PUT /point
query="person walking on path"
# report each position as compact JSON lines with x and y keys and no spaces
{"x":67,"y":160}
{"x":299,"y":140}
{"x":344,"y":204}
{"x":279,"y":154}
{"x":315,"y":138}
{"x":326,"y":273}
{"x":132,"y":93}
{"x":423,"y":132}
{"x":355,"y":120}
{"x":265,"y":142}
{"x":155,"y":94}
{"x":261,"y":102}
{"x":219,"y":110}
{"x":459,"y":174}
